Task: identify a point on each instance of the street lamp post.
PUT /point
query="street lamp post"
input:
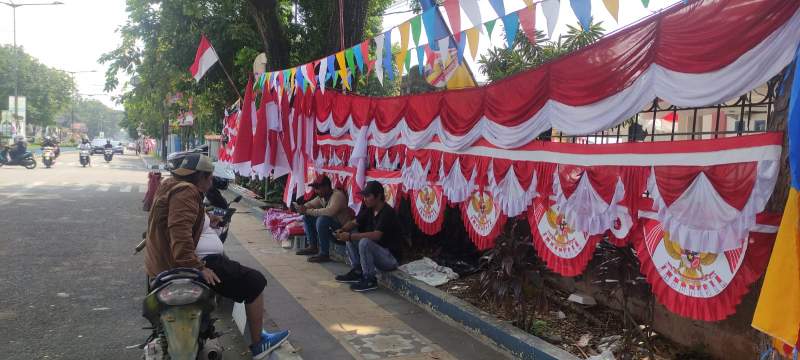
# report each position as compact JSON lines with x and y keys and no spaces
{"x":14,"y":7}
{"x":72,"y":102}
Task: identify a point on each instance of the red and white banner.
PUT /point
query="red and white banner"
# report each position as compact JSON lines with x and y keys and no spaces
{"x":427,"y":207}
{"x":702,"y":285}
{"x":483,"y":220}
{"x":565,"y":250}
{"x":667,"y":56}
{"x":203,"y":59}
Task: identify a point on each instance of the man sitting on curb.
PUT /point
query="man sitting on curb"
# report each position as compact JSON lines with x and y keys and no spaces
{"x":321,"y":216}
{"x":376,"y":245}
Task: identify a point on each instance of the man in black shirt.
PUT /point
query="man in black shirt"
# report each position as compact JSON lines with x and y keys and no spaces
{"x":376,"y":244}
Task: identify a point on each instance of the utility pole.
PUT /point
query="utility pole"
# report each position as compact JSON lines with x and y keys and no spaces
{"x":14,"y":7}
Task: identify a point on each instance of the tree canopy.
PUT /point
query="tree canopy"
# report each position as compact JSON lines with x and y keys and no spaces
{"x":160,"y":38}
{"x":47,"y":90}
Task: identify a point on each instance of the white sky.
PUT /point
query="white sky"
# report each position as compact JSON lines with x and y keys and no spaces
{"x":74,"y":35}
{"x":69,"y":37}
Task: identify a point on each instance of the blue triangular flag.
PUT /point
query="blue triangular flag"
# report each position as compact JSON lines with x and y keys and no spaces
{"x":331,"y":69}
{"x":498,"y":7}
{"x":433,"y":27}
{"x":511,"y":24}
{"x":300,"y":80}
{"x":421,"y":58}
{"x":462,"y":43}
{"x":387,"y":55}
{"x":359,"y":59}
{"x":583,"y":11}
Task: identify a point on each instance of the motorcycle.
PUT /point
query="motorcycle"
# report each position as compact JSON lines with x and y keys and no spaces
{"x":27,"y":160}
{"x":179,"y":305}
{"x":108,"y":154}
{"x":48,"y":156}
{"x":217,"y":205}
{"x":85,"y":157}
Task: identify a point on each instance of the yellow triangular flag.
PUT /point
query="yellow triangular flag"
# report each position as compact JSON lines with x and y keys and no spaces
{"x":293,"y":73}
{"x":473,"y":36}
{"x":400,"y":59}
{"x":404,"y":35}
{"x":528,"y":3}
{"x":613,"y":8}
{"x":342,"y":69}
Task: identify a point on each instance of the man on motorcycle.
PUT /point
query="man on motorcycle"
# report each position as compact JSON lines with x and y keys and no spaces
{"x":19,"y":148}
{"x":85,"y":144}
{"x":108,"y":145}
{"x":175,"y":227}
{"x":48,"y":142}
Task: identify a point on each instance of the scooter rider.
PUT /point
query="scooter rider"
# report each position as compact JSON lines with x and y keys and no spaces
{"x":108,"y":145}
{"x":18,"y":149}
{"x":48,"y":142}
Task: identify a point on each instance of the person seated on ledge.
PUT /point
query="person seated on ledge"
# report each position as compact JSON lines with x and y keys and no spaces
{"x":321,"y":216}
{"x":376,"y":244}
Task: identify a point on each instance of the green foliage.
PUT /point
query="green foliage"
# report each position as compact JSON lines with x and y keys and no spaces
{"x":47,"y":90}
{"x":503,"y":62}
{"x":96,"y":115}
{"x":160,"y":38}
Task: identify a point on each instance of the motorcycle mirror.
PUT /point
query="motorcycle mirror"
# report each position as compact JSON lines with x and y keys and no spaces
{"x":237,"y":199}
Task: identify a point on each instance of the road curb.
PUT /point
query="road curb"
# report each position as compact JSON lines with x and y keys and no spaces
{"x":487,"y":329}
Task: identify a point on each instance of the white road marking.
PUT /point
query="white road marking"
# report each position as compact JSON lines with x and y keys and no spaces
{"x":104,"y":187}
{"x":125,"y":189}
{"x":142,"y":188}
{"x":34,"y":184}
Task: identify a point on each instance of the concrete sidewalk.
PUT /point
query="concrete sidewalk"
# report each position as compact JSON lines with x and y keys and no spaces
{"x":329,"y":321}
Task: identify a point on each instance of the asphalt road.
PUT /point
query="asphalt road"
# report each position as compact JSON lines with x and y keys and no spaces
{"x":71,"y":287}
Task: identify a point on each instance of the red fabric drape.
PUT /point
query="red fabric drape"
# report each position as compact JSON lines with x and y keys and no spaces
{"x":733,"y":182}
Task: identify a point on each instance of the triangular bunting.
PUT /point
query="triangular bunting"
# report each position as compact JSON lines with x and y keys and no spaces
{"x":498,"y":7}
{"x":583,"y":11}
{"x":379,"y":57}
{"x":461,"y":43}
{"x":511,"y":25}
{"x":646,"y":3}
{"x":550,"y":9}
{"x":416,"y":28}
{"x":527,"y":21}
{"x":473,"y":36}
{"x":473,"y":11}
{"x":342,"y":69}
{"x":351,"y":62}
{"x":387,"y":59}
{"x":613,"y":8}
{"x":454,"y":15}
{"x":403,"y":28}
{"x":433,"y":30}
{"x":421,"y":59}
{"x":356,"y":50}
{"x":490,"y":27}
{"x":300,"y":80}
{"x":292,"y":79}
{"x":331,"y":62}
{"x":365,"y":51}
{"x":408,"y":60}
{"x":400,"y":60}
{"x":444,"y":50}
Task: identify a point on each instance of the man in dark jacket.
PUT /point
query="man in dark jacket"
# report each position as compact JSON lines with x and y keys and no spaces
{"x":174,"y":229}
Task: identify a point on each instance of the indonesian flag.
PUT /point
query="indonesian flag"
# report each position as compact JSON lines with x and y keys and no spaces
{"x":244,"y":133}
{"x":204,"y":59}
{"x":269,"y":115}
{"x":259,"y":150}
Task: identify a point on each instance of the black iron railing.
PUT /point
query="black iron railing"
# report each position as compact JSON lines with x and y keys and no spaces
{"x":747,"y":114}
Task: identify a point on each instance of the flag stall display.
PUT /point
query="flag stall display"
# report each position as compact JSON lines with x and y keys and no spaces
{"x":476,"y":149}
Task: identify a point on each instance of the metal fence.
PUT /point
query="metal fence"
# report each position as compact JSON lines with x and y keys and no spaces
{"x":747,"y":114}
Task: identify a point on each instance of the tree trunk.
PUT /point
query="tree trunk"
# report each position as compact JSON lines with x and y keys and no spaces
{"x":276,"y":44}
{"x":355,"y":18}
{"x":778,"y":122}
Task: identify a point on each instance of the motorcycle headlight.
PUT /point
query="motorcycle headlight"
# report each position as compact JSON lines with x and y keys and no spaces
{"x":180,"y":292}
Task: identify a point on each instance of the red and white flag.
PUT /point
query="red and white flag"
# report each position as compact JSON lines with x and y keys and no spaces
{"x":204,"y":59}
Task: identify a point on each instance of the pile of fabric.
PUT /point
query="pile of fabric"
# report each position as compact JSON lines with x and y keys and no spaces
{"x":283,"y":223}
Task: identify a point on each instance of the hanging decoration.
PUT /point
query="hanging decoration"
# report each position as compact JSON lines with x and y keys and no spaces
{"x":511,"y":25}
{"x":583,"y":11}
{"x":702,"y":285}
{"x":427,"y":207}
{"x":483,"y":220}
{"x":613,"y":8}
{"x":565,"y":250}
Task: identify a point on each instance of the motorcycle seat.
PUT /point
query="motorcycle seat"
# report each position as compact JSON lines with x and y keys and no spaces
{"x":174,"y":274}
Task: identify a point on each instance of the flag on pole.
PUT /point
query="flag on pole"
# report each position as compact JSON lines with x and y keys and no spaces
{"x":777,"y":313}
{"x":203,"y":59}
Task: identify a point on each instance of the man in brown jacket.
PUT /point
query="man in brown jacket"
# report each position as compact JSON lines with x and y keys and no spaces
{"x":322,"y":216}
{"x":174,"y":229}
